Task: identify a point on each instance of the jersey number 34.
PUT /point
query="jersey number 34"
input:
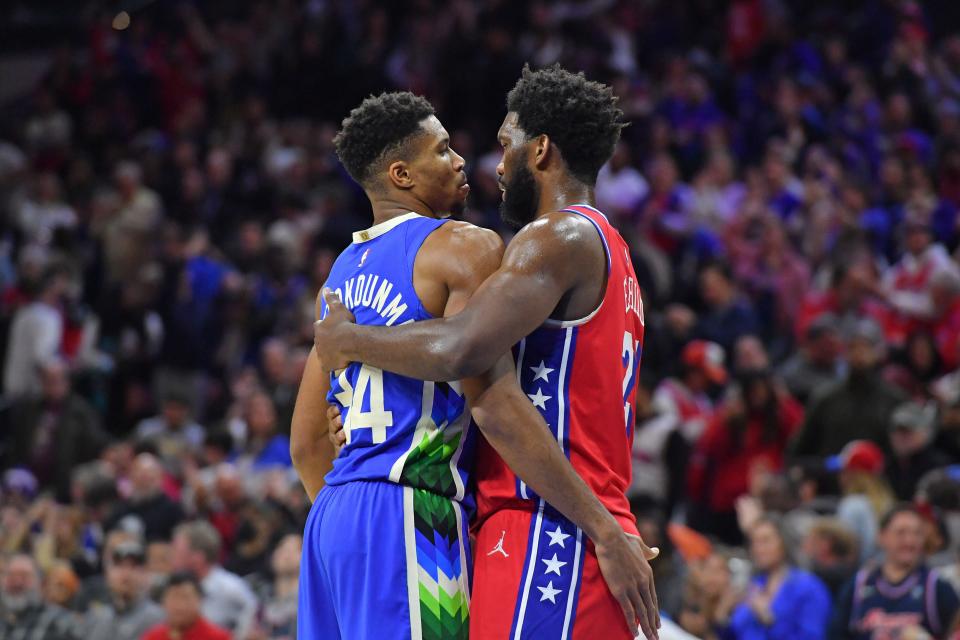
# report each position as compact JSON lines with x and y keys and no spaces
{"x":352,"y":398}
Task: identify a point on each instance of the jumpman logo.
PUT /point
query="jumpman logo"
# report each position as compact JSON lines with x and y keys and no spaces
{"x":499,"y":547}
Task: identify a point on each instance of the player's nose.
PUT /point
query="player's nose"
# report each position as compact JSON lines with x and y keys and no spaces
{"x":458,"y":161}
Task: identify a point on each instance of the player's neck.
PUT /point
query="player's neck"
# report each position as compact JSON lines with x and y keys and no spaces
{"x":389,"y":207}
{"x":559,"y":194}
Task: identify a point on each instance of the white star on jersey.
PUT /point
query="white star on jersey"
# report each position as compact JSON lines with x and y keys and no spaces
{"x":557,"y":537}
{"x":538,"y":399}
{"x":549,"y":593}
{"x":553,"y":565}
{"x":542,"y":372}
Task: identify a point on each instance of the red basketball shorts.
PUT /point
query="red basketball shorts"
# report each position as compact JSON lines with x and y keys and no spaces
{"x":536,"y":576}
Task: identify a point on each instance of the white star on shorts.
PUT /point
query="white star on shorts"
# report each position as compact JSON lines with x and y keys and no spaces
{"x":549,"y":593}
{"x":557,"y":537}
{"x":538,"y":399}
{"x":553,"y":565}
{"x":542,"y":372}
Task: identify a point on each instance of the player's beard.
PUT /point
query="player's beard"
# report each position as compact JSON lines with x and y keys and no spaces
{"x":522,"y":197}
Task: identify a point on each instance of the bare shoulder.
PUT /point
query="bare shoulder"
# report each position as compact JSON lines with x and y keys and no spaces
{"x":557,"y":236}
{"x":462,"y":242}
{"x":464,"y":235}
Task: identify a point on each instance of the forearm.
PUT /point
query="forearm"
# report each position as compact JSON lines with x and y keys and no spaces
{"x":310,"y":448}
{"x":516,"y":430}
{"x":437,"y":350}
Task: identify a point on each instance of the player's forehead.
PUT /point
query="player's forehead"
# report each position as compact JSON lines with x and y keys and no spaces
{"x":510,"y":128}
{"x":433,"y":130}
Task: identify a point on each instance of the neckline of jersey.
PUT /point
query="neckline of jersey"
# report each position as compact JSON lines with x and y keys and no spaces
{"x":587,"y":206}
{"x":378,"y":230}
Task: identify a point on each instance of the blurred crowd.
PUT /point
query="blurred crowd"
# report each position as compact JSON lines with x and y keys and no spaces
{"x":170,"y":204}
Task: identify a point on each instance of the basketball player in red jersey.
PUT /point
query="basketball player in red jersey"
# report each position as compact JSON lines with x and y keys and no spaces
{"x":566,"y":300}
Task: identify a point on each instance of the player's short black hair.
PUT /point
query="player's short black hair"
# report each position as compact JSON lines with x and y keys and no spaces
{"x":380,"y":125}
{"x":580,"y":116}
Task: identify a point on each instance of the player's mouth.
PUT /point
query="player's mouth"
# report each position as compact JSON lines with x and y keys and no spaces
{"x":503,"y":190}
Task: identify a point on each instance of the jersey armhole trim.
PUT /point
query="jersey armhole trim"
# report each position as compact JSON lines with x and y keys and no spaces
{"x":413,"y":265}
{"x":565,"y":324}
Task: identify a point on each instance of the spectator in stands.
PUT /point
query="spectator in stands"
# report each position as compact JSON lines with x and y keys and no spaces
{"x":866,"y":493}
{"x":912,"y":428}
{"x":23,"y":613}
{"x":748,"y":432}
{"x":52,"y":434}
{"x":770,"y":270}
{"x":35,"y":335}
{"x":728,"y":315}
{"x":907,"y":285}
{"x":227,"y":600}
{"x":620,"y":187}
{"x":858,"y":407}
{"x":817,"y":364}
{"x":782,"y":601}
{"x":278,"y":613}
{"x":130,"y":613}
{"x":156,"y":513}
{"x":849,"y":298}
{"x":275,"y":358}
{"x":918,"y":366}
{"x":127,"y":232}
{"x":749,"y":354}
{"x":945,"y":296}
{"x":173,"y":432}
{"x":833,"y":553}
{"x":95,"y":590}
{"x":44,"y":213}
{"x":673,"y":422}
{"x":61,"y":585}
{"x":901,"y":595}
{"x":665,"y":214}
{"x":265,"y":446}
{"x":182,"y":595}
{"x":710,"y":597}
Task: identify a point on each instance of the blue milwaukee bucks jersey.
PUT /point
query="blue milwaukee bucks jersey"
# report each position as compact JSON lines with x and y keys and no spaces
{"x":398,"y":429}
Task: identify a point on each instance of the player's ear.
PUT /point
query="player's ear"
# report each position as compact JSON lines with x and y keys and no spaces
{"x":542,"y":148}
{"x":399,"y":174}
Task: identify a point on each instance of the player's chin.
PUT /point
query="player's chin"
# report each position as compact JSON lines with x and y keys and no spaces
{"x":458,"y":205}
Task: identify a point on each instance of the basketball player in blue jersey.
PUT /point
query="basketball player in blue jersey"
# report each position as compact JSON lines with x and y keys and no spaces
{"x":386,"y":553}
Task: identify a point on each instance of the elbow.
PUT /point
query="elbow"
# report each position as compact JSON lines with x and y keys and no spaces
{"x":492,"y":423}
{"x":467,"y":359}
{"x":302,"y":451}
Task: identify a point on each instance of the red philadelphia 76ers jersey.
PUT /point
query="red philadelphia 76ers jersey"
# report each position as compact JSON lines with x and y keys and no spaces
{"x":582,"y":376}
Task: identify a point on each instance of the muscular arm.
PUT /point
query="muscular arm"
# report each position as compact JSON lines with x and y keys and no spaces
{"x":511,"y":424}
{"x":543,"y":262}
{"x":310,"y":448}
{"x":517,"y":431}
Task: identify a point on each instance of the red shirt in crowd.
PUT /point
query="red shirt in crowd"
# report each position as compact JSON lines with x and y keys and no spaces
{"x":720,"y":468}
{"x":200,"y":630}
{"x":817,"y":303}
{"x":946,"y":332}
